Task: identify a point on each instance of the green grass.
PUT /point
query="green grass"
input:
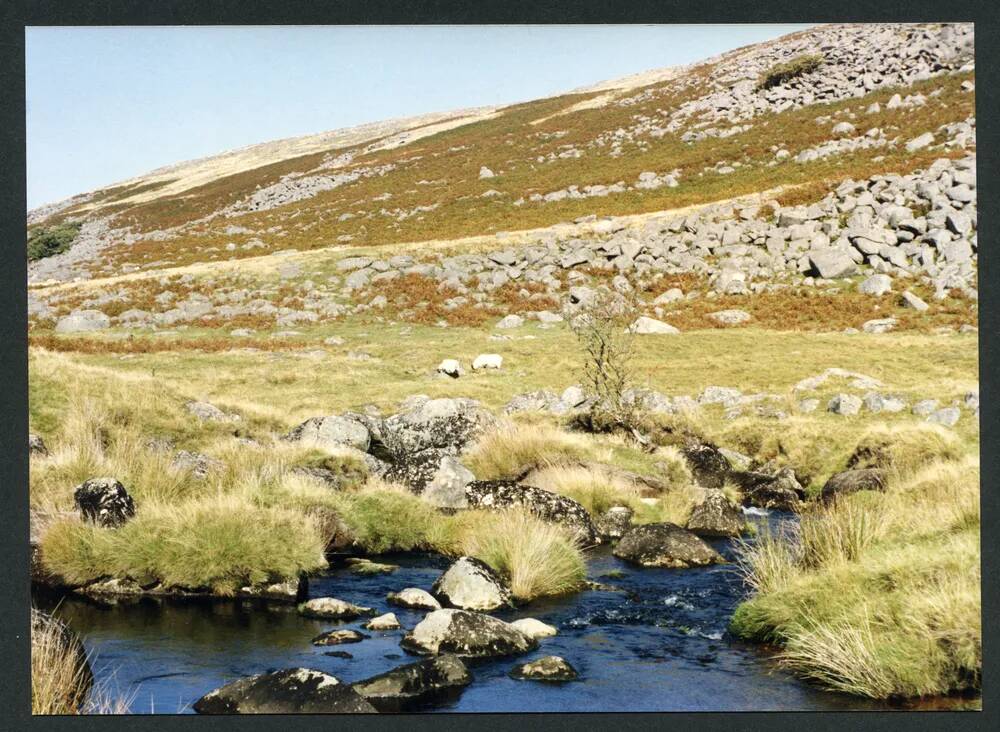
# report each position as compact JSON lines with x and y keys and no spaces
{"x":879,"y":594}
{"x":219,"y":542}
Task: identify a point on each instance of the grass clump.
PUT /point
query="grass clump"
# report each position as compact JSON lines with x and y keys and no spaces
{"x":797,"y":66}
{"x":44,"y":241}
{"x":60,"y":675}
{"x":905,"y":448}
{"x":536,"y":558}
{"x":220,"y":542}
{"x":382,"y":518}
{"x":877,"y":594}
{"x":515,"y":448}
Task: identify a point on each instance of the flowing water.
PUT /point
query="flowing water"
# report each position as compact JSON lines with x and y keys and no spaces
{"x":658,"y":644}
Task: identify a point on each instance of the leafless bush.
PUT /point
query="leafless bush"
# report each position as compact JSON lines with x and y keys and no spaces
{"x":602,"y":324}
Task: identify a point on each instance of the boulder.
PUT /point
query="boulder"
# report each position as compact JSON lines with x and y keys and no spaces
{"x":435,"y":475}
{"x":416,"y":685}
{"x":845,"y":405}
{"x":832,"y":263}
{"x":471,"y":584}
{"x":415,"y":598}
{"x":386,"y":621}
{"x":447,"y":424}
{"x":909,"y":300}
{"x":948,"y":416}
{"x":534,"y":628}
{"x":878,"y":284}
{"x":331,"y":433}
{"x":210,"y":413}
{"x":36,"y":446}
{"x":547,"y":668}
{"x":716,"y":516}
{"x":289,"y":691}
{"x":104,"y":501}
{"x":614,"y":523}
{"x":651,"y":326}
{"x":330,"y":608}
{"x":665,"y":545}
{"x":851,"y":481}
{"x":780,"y":491}
{"x":510,"y":321}
{"x":709,"y":466}
{"x":81,"y":321}
{"x":919,"y":142}
{"x":879,"y":325}
{"x":730,"y":317}
{"x":338,"y":637}
{"x":466,"y":634}
{"x":546,"y":505}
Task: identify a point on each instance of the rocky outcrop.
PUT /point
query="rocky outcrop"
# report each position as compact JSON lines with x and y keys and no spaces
{"x":471,"y":584}
{"x":435,"y":474}
{"x":445,"y":424}
{"x":665,"y":545}
{"x":549,"y":507}
{"x":466,"y":634}
{"x":716,"y":516}
{"x":104,"y":501}
{"x":290,"y":691}
{"x":331,"y":432}
{"x":547,"y":668}
{"x":416,"y":685}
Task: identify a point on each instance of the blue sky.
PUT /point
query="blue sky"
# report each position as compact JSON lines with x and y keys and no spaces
{"x":105,"y":104}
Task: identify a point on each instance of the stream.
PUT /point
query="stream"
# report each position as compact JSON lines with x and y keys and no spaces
{"x":659,"y":644}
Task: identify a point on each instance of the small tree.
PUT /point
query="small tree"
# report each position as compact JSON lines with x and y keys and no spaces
{"x":46,"y":241}
{"x":603,"y":327}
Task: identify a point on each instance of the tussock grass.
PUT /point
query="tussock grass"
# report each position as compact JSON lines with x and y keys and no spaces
{"x":597,"y":491}
{"x":220,"y":542}
{"x":59,"y":681}
{"x":515,"y":448}
{"x":877,"y":594}
{"x":538,"y":559}
{"x":905,"y":448}
{"x":384,"y":517}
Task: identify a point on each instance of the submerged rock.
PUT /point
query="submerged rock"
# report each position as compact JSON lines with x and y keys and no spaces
{"x":471,"y":584}
{"x":665,"y":545}
{"x":337,"y":637}
{"x":716,"y":516}
{"x":104,"y":501}
{"x":548,"y":668}
{"x":546,"y":505}
{"x":330,"y":608}
{"x":466,"y":634}
{"x":415,"y":685}
{"x":289,"y":691}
